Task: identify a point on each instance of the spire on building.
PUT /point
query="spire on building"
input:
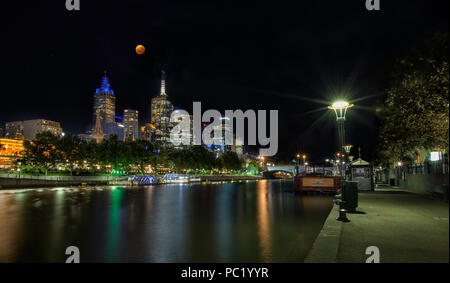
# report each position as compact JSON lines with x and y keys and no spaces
{"x":163,"y":83}
{"x":160,"y":112}
{"x":105,"y":82}
{"x":97,"y":134}
{"x":105,"y":86}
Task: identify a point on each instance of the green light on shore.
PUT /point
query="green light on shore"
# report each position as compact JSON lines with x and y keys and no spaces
{"x":117,"y":172}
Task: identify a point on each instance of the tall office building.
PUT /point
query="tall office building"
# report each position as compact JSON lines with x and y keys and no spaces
{"x":30,"y":128}
{"x":131,"y":124}
{"x":180,"y":138}
{"x":239,"y":149}
{"x":104,"y":102}
{"x":33,"y":127}
{"x":222,"y":147}
{"x":14,"y":130}
{"x":161,"y":109}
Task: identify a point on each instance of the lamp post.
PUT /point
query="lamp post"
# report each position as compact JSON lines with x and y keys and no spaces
{"x":347,"y":148}
{"x":340,"y":109}
{"x":399,"y":173}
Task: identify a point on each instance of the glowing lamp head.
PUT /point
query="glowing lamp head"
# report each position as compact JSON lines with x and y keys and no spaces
{"x":340,"y":108}
{"x":347,"y":148}
{"x":340,"y":105}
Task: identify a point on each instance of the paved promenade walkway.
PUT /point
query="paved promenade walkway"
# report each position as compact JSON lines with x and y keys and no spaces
{"x":405,"y":227}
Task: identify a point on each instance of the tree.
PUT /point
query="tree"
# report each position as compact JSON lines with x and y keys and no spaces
{"x":253,"y":168}
{"x":230,"y":161}
{"x":140,"y":153}
{"x":91,"y":153}
{"x":42,"y":151}
{"x":202,"y":158}
{"x":416,"y":108}
{"x":112,"y":151}
{"x":70,"y":147}
{"x":182,"y":159}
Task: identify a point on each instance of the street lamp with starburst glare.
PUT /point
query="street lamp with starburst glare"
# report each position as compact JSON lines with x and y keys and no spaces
{"x":340,"y":108}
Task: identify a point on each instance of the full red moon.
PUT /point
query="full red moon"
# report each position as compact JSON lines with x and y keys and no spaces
{"x":140,"y":49}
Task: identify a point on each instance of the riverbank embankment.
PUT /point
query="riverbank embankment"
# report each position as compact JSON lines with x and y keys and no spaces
{"x":403,"y":227}
{"x":13,"y":181}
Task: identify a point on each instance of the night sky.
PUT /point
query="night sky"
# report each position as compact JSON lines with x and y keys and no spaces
{"x":228,"y":55}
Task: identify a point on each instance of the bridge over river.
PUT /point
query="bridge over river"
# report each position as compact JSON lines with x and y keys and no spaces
{"x":269,"y":171}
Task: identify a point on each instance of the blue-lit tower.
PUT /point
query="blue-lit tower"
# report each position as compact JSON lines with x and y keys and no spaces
{"x":104,"y":102}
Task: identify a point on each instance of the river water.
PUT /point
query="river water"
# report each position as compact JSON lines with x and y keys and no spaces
{"x":248,"y":221}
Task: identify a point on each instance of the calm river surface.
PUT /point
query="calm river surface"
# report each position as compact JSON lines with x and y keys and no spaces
{"x":249,"y":221}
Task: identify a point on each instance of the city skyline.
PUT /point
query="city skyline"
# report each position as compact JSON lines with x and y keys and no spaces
{"x":106,"y":122}
{"x":236,"y":64}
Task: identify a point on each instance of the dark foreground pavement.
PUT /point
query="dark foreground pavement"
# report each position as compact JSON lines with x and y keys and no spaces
{"x":405,"y":227}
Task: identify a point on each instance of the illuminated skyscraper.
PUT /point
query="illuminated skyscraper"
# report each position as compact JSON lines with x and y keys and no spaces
{"x":238,"y":148}
{"x":104,"y":102}
{"x":220,"y":141}
{"x":219,"y":147}
{"x":14,"y":130}
{"x":161,"y":109}
{"x":181,"y":138}
{"x":131,"y":124}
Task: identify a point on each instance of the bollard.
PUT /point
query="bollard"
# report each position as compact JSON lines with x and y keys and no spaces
{"x":343,"y":215}
{"x":339,"y":200}
{"x":342,"y":211}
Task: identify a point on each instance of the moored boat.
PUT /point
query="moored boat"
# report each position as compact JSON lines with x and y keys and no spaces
{"x":317,"y":178}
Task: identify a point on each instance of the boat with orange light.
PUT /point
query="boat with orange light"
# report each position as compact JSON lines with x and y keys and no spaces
{"x":317,"y":178}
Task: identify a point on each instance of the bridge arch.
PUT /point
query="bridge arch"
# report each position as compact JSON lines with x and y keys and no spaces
{"x":286,"y":168}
